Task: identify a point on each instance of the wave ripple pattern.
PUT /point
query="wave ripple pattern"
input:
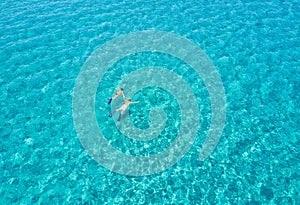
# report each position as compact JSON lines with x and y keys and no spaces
{"x":154,"y":41}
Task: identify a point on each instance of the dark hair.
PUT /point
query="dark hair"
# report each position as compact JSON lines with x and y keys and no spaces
{"x":129,"y":99}
{"x":122,"y":89}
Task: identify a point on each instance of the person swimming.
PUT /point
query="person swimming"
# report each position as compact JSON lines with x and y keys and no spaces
{"x":119,"y":92}
{"x":123,"y":107}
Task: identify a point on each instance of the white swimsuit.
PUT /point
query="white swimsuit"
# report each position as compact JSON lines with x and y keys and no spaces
{"x":124,"y":107}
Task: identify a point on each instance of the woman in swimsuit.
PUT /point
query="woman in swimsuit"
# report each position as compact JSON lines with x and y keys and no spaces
{"x":123,"y":108}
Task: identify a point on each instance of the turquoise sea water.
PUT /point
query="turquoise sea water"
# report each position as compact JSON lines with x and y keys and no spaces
{"x":255,"y":46}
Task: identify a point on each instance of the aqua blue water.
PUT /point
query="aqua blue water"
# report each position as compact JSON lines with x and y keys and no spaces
{"x":255,"y":46}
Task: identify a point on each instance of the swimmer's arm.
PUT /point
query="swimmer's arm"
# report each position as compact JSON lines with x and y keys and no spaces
{"x":124,"y":98}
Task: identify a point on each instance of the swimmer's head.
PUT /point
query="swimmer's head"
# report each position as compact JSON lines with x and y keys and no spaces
{"x":129,"y":99}
{"x":122,"y":89}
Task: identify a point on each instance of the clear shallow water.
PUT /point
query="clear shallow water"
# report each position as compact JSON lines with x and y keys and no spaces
{"x":255,"y":47}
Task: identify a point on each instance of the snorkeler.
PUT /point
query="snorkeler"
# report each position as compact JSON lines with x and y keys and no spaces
{"x":123,"y":108}
{"x":119,"y":92}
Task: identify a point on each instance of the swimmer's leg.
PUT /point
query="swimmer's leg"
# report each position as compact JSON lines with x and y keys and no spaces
{"x":119,"y":118}
{"x":116,"y":110}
